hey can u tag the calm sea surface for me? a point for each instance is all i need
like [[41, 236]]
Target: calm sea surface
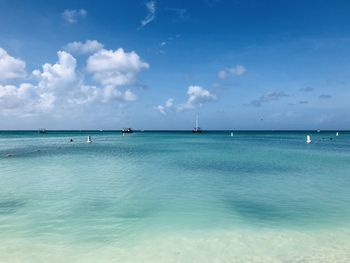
[[174, 197]]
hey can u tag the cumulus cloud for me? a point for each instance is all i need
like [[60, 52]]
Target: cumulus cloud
[[73, 15], [306, 89], [111, 93], [60, 87], [10, 68], [115, 68], [169, 103], [168, 106], [197, 95], [24, 100], [234, 71], [89, 47], [267, 97], [57, 83], [12, 97], [161, 109], [325, 96], [151, 8], [57, 75]]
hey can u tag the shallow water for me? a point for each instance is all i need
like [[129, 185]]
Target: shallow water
[[174, 197]]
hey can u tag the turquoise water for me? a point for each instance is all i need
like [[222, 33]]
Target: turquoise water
[[174, 197]]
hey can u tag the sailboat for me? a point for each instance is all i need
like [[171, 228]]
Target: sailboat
[[127, 130], [88, 139], [197, 129]]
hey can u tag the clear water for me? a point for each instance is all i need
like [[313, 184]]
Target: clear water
[[174, 197]]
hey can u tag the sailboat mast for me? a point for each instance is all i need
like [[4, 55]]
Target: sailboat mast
[[197, 122]]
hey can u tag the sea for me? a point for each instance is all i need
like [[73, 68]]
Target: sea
[[174, 196]]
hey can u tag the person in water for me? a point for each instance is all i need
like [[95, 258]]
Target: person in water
[[71, 140]]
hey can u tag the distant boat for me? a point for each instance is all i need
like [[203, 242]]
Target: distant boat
[[318, 130], [127, 130], [308, 139], [42, 130], [337, 134], [197, 129], [231, 134], [88, 139]]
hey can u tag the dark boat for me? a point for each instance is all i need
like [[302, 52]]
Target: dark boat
[[197, 129], [42, 130], [127, 130]]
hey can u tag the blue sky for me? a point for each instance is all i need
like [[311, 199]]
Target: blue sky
[[156, 64]]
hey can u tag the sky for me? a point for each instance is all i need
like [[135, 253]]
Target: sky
[[238, 64]]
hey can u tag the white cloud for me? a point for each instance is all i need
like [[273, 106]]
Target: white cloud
[[151, 8], [161, 109], [60, 88], [197, 95], [73, 15], [235, 71], [89, 47], [112, 93], [59, 75], [23, 100], [169, 104], [115, 68], [10, 68], [57, 83]]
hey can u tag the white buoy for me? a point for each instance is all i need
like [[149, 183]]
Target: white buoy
[[88, 139], [231, 134], [337, 134], [308, 139]]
